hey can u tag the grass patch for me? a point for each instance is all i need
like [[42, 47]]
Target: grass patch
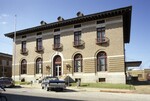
[[22, 83], [105, 85]]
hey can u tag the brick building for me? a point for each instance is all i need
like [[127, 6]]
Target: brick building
[[5, 65], [87, 47]]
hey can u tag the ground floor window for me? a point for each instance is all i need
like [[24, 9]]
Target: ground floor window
[[101, 61], [23, 66], [39, 66], [78, 63]]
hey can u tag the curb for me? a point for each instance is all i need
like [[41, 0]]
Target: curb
[[87, 89]]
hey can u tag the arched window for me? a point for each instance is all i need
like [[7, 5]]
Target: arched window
[[23, 66], [39, 66], [78, 63], [101, 61]]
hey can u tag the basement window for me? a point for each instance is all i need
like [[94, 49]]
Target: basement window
[[102, 80]]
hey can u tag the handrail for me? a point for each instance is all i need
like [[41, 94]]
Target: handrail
[[39, 49], [102, 40], [57, 46], [24, 51], [78, 43]]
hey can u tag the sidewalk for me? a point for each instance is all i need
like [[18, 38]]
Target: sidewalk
[[85, 89]]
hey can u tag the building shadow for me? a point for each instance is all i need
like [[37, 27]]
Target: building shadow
[[138, 83], [15, 97]]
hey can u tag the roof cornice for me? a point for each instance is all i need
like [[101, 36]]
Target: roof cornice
[[125, 11]]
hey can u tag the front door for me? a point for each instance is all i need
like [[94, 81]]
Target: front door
[[57, 66], [57, 70]]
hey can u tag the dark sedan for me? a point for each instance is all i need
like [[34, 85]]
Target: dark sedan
[[53, 83]]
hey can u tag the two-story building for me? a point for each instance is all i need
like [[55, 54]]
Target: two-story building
[[5, 65], [88, 47]]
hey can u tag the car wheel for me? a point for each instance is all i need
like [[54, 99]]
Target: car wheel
[[62, 89], [47, 89], [42, 87]]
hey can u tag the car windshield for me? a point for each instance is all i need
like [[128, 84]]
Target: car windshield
[[52, 78]]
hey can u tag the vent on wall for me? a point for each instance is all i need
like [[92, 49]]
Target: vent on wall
[[100, 21], [102, 79], [77, 26]]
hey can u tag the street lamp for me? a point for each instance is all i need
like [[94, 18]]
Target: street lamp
[[14, 45]]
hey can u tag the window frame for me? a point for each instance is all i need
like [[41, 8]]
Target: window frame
[[101, 56], [24, 66], [23, 46], [37, 68], [39, 44], [77, 38], [78, 58], [57, 41], [101, 35]]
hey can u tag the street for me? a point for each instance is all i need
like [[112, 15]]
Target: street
[[36, 94]]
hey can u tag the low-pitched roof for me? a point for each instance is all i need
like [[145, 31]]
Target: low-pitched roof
[[133, 63], [5, 54], [125, 11]]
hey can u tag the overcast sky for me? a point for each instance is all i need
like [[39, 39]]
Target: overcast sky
[[31, 12]]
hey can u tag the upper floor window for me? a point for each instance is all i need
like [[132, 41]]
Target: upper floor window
[[78, 63], [57, 39], [77, 38], [101, 34], [4, 62], [23, 66], [23, 46], [39, 44], [57, 42], [39, 66], [101, 61], [10, 63]]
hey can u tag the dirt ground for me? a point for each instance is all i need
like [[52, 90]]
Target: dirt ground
[[142, 89]]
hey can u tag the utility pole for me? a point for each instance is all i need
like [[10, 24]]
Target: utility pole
[[14, 44]]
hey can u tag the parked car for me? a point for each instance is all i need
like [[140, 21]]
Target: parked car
[[53, 83], [6, 82]]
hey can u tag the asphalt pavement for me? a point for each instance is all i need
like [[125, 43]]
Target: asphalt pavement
[[86, 89]]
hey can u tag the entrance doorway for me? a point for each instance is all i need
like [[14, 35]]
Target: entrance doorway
[[57, 71]]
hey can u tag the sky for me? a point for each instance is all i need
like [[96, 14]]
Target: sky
[[31, 12]]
